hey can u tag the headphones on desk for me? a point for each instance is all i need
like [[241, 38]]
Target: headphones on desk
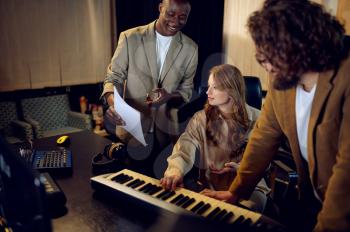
[[112, 159]]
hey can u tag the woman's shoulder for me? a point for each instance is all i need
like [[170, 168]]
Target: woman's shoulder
[[199, 117], [253, 113], [200, 114], [197, 122]]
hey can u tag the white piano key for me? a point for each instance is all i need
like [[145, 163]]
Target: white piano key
[[237, 211]]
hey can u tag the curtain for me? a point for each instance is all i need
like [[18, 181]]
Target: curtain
[[47, 43], [238, 46]]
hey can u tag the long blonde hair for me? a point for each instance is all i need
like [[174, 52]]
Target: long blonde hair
[[228, 78]]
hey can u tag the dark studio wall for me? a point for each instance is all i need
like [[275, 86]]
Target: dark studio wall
[[204, 26]]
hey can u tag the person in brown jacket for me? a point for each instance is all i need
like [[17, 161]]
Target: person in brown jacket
[[302, 47]]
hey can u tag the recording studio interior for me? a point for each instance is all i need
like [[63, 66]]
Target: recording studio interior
[[154, 115]]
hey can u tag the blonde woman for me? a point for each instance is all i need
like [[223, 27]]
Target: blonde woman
[[219, 134]]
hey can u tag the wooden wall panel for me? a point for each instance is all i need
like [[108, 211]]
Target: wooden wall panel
[[239, 48], [237, 45], [343, 13]]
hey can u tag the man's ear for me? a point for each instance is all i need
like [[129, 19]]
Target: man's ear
[[160, 6]]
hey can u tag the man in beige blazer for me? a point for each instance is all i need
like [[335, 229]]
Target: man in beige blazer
[[156, 58], [302, 47]]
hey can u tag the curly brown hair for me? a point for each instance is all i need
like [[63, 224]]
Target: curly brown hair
[[297, 36], [228, 78]]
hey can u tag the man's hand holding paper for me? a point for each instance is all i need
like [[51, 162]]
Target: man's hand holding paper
[[114, 117], [123, 115], [111, 118]]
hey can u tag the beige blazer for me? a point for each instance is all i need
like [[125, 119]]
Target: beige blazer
[[134, 63], [328, 145]]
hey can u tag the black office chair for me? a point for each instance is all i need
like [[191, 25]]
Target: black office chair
[[253, 93], [253, 97]]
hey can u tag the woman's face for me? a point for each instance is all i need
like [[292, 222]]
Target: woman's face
[[216, 96]]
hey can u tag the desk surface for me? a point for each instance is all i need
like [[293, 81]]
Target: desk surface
[[85, 212]]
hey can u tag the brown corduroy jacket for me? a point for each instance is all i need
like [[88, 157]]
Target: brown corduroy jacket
[[328, 146]]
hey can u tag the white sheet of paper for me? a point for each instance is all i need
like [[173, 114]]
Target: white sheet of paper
[[131, 117]]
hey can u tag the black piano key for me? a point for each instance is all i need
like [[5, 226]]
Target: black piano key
[[239, 220], [188, 203], [176, 199], [220, 215], [160, 195], [148, 188], [123, 178], [118, 177], [152, 189], [128, 178], [196, 207], [144, 187], [213, 212], [227, 217], [133, 182], [203, 209], [155, 190], [167, 196], [183, 200], [138, 184]]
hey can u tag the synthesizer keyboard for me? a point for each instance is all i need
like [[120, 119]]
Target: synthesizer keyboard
[[181, 201]]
